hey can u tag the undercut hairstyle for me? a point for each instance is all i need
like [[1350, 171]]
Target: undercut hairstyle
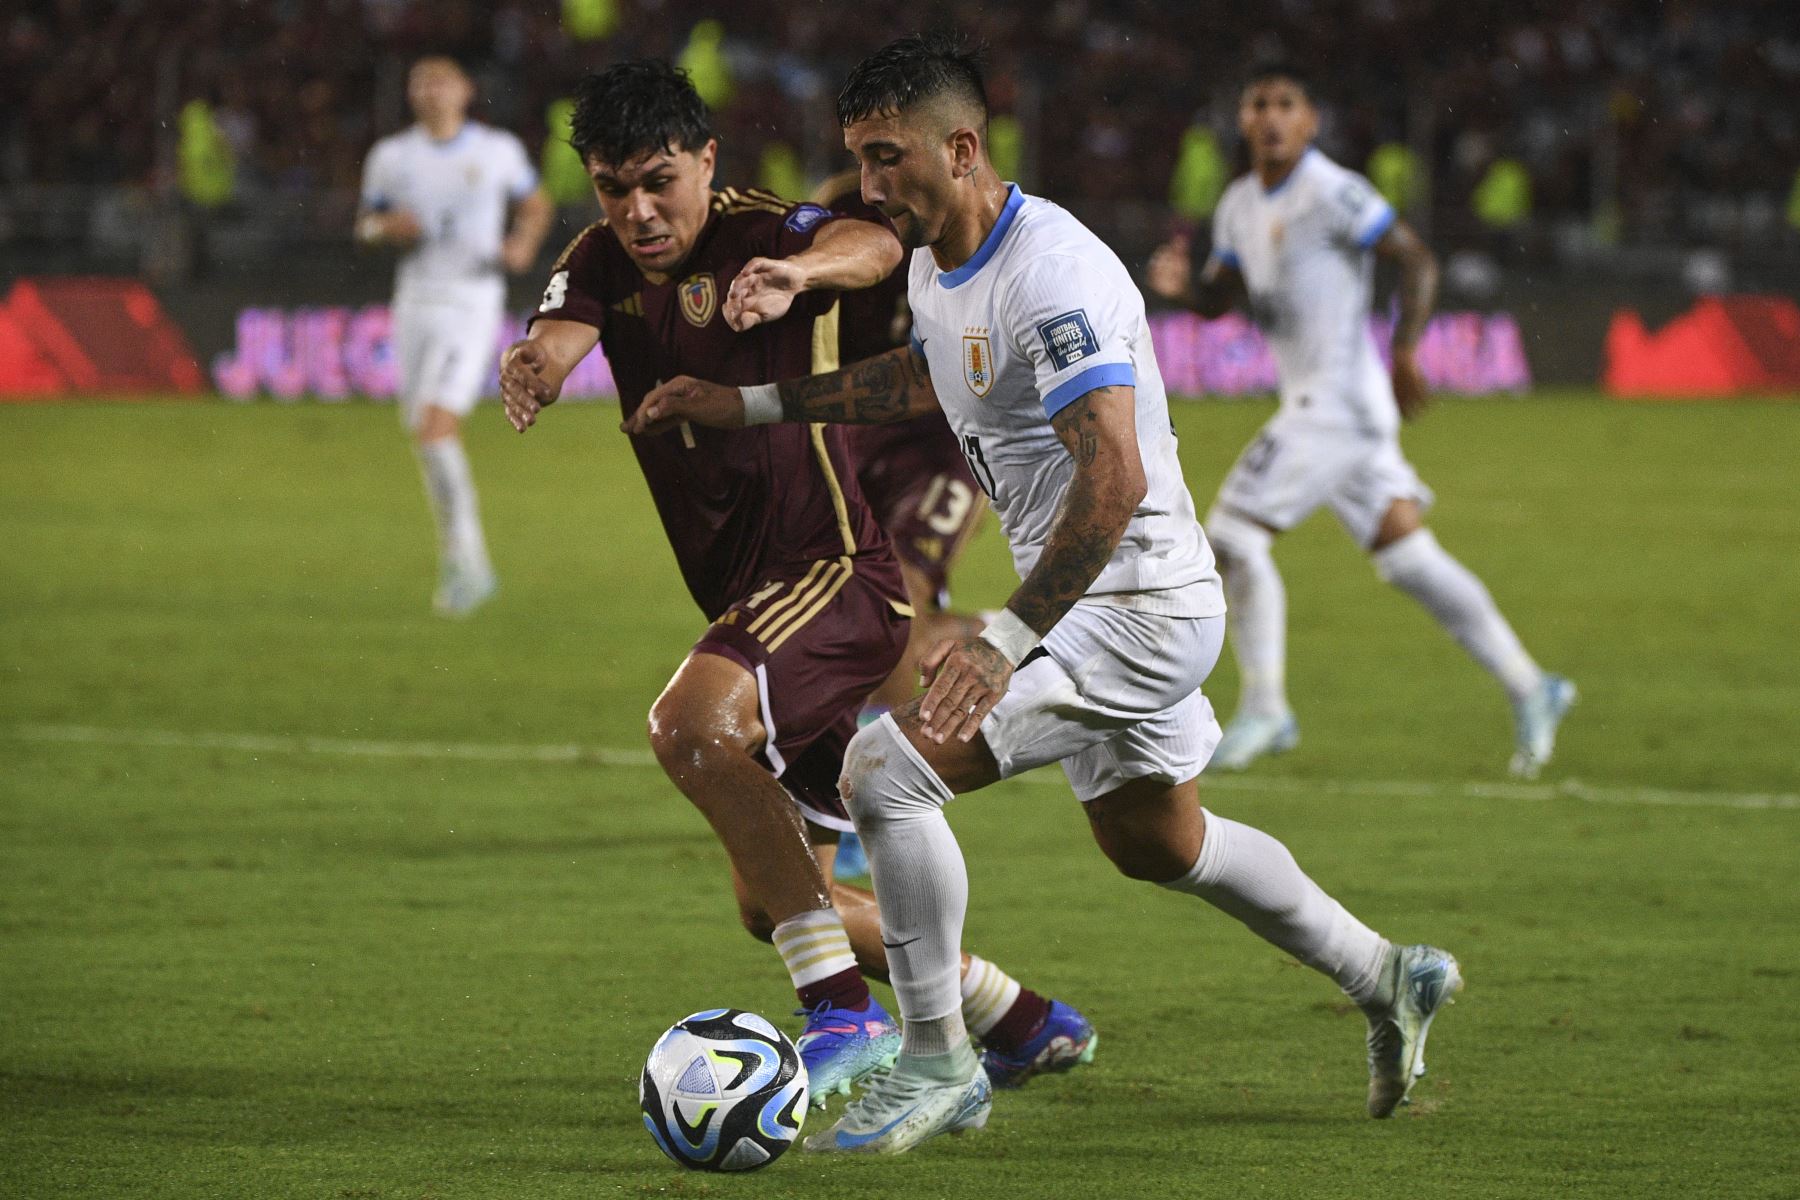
[[642, 106], [911, 71], [1285, 71]]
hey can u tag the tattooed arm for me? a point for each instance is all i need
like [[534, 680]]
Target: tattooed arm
[[1417, 292], [875, 391], [1100, 432]]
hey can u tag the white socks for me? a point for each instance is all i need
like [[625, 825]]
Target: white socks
[[918, 871], [1255, 613], [1249, 875], [1424, 570], [814, 946], [987, 993], [450, 487]]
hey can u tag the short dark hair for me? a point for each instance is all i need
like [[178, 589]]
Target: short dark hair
[[1282, 69], [911, 70], [634, 108]]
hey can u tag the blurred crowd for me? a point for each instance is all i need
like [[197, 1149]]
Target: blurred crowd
[[1629, 120]]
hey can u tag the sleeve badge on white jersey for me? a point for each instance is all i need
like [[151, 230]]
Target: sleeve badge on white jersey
[[978, 364], [1068, 339]]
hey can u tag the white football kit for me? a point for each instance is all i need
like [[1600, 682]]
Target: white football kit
[[1041, 315], [450, 290], [1305, 251]]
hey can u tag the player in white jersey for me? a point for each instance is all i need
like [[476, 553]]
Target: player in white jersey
[[1031, 337], [1296, 239], [440, 191]]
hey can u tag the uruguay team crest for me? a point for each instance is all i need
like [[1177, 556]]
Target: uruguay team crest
[[699, 297], [978, 364]]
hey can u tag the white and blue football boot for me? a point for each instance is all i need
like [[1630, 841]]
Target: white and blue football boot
[[462, 590], [1425, 980], [900, 1109], [1252, 735], [1535, 719], [844, 1046]]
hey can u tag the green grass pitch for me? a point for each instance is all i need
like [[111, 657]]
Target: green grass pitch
[[257, 940]]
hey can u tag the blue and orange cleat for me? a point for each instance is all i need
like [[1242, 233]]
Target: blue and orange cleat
[[844, 1046], [1066, 1040]]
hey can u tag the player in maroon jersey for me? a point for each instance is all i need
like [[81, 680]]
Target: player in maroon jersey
[[777, 546]]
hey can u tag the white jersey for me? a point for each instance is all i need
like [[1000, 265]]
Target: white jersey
[[1304, 249], [459, 190], [1041, 315]]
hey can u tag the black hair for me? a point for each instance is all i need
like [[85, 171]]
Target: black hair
[[1282, 69], [634, 108], [911, 70]]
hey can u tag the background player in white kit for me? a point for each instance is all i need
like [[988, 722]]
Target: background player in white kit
[[1031, 336], [440, 191], [1294, 238]]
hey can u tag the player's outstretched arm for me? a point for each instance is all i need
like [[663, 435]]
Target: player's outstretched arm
[[875, 391], [1417, 294], [845, 256], [968, 678], [532, 371], [1171, 276], [396, 227]]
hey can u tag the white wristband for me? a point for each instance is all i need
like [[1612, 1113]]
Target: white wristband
[[762, 404], [1010, 636]]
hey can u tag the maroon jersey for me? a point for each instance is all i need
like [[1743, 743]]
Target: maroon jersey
[[736, 503]]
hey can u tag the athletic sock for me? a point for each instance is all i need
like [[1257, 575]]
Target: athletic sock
[[817, 952], [953, 1064], [1452, 593], [1249, 875], [450, 486], [1256, 616], [989, 995], [918, 872]]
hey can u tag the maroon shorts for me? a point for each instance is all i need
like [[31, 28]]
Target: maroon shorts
[[918, 483], [819, 637]]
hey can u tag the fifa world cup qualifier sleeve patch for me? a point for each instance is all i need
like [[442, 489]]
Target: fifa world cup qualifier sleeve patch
[[1068, 339], [804, 217]]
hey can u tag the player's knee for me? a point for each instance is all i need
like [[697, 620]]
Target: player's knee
[[683, 738], [1236, 540], [884, 778], [1398, 561]]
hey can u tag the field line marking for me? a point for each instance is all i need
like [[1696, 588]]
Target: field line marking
[[610, 756]]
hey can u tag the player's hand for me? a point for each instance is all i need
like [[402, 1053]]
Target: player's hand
[[1171, 273], [1410, 392], [763, 291], [685, 398], [523, 389], [517, 255], [966, 679], [401, 228]]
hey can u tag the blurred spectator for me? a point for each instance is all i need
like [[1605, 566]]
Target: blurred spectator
[[1668, 123], [566, 179], [1200, 177]]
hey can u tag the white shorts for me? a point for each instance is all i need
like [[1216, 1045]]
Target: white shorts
[[1294, 467], [1115, 696], [445, 352]]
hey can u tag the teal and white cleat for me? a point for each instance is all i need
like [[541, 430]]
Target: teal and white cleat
[[1535, 720], [1252, 735], [462, 591], [844, 1046], [900, 1109], [1426, 979]]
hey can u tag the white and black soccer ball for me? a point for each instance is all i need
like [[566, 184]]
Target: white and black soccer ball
[[723, 1090]]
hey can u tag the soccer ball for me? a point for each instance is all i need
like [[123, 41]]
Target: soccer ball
[[723, 1090]]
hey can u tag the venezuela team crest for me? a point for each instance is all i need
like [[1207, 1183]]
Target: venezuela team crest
[[978, 364], [699, 297]]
